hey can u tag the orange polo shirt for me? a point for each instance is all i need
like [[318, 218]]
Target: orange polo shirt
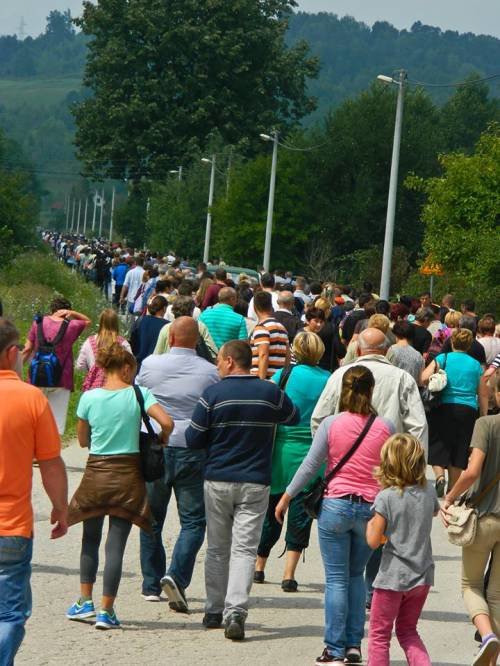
[[27, 430]]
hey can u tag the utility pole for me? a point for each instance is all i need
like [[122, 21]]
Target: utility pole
[[68, 205], [111, 220], [78, 219], [95, 210], [102, 213], [208, 230], [385, 280], [73, 215], [85, 216], [228, 174], [270, 207]]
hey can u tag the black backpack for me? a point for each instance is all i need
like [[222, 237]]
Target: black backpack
[[45, 369]]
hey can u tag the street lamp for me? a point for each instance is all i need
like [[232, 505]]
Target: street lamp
[[208, 229], [274, 137], [177, 171], [385, 280]]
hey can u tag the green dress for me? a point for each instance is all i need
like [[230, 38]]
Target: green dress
[[292, 443]]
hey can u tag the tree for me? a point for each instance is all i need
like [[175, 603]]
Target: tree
[[18, 204], [466, 115], [165, 75], [462, 217], [59, 26]]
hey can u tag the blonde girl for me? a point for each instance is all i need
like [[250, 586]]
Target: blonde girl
[[107, 335], [404, 510]]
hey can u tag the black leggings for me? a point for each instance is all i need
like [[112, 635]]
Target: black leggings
[[118, 532]]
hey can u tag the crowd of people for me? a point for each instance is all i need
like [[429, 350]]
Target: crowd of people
[[261, 394]]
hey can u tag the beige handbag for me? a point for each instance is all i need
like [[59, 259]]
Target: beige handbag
[[463, 517]]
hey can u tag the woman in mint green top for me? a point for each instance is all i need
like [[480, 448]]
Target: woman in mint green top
[[109, 420], [304, 387]]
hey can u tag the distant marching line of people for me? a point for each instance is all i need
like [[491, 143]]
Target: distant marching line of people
[[276, 398]]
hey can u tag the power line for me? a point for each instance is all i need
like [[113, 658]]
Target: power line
[[460, 84]]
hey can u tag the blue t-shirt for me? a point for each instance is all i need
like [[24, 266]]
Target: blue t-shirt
[[463, 373], [114, 418]]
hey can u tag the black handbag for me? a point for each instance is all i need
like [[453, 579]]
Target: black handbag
[[150, 446], [312, 499]]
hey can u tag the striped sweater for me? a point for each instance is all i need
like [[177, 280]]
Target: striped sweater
[[235, 421]]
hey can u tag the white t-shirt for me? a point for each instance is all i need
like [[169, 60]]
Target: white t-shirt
[[133, 281], [251, 309]]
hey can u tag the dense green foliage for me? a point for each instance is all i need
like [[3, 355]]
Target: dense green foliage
[[353, 54], [165, 76], [18, 200], [462, 217]]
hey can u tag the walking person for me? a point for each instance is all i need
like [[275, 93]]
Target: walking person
[[234, 421], [404, 510], [453, 420], [303, 385], [345, 509], [108, 424], [482, 470], [269, 341], [50, 326], [177, 379], [146, 330], [222, 321], [107, 334], [26, 421]]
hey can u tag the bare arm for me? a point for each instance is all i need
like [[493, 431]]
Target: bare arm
[[263, 360], [83, 433], [429, 370], [166, 422], [55, 482], [482, 392], [375, 530], [72, 314], [465, 481]]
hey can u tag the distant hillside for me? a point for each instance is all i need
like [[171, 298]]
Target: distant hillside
[[352, 54], [41, 77]]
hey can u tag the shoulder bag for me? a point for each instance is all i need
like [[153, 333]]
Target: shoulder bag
[[462, 521], [285, 376], [312, 499], [431, 394], [150, 446]]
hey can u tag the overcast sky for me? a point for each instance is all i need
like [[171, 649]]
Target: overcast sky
[[482, 16]]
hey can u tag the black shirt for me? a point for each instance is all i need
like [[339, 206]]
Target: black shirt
[[421, 339], [290, 321], [350, 324]]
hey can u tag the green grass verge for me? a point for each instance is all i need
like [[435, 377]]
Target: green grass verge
[[28, 285], [39, 92]]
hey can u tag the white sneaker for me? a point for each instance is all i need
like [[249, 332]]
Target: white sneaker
[[151, 597]]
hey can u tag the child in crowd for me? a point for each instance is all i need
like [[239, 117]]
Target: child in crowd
[[404, 510]]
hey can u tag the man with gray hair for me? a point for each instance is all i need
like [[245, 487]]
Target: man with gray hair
[[286, 316], [395, 397], [421, 337]]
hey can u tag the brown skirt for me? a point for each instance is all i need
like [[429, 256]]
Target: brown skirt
[[112, 486]]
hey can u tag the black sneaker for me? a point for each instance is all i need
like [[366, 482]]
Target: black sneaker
[[440, 486], [234, 627], [259, 576], [289, 585], [212, 620], [176, 597], [327, 658], [353, 655]]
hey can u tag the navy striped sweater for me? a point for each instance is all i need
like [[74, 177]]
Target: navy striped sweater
[[235, 421]]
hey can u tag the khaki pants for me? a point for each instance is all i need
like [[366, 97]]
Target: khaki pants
[[474, 561]]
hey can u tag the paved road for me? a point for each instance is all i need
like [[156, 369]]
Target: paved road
[[282, 628]]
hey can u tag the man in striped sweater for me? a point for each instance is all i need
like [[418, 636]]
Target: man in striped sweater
[[235, 421], [270, 346]]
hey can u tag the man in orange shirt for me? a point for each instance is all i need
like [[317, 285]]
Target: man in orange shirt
[[27, 431]]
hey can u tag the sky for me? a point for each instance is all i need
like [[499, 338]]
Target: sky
[[480, 17]]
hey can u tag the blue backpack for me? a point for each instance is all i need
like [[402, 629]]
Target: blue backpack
[[45, 369]]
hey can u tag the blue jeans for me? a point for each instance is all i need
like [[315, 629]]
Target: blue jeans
[[15, 594], [184, 475], [342, 540]]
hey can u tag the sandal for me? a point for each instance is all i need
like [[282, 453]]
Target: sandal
[[440, 486]]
